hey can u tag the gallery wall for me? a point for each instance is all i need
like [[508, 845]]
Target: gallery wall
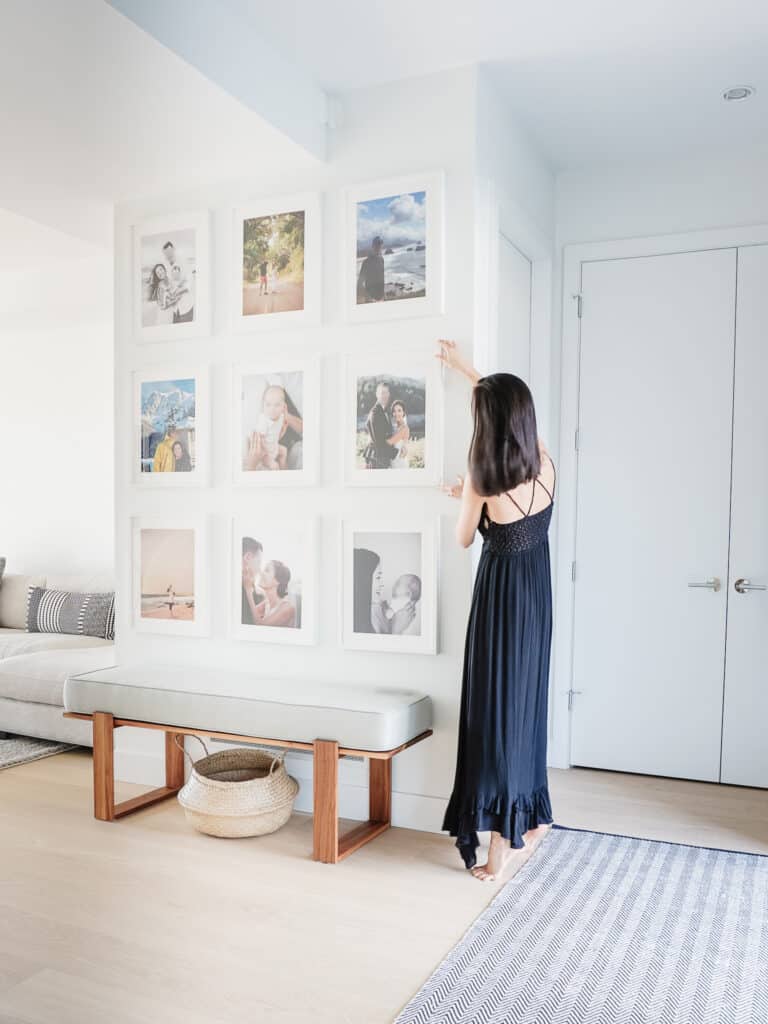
[[56, 408], [399, 130]]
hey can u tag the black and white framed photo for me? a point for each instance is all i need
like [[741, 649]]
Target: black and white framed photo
[[277, 252], [393, 420], [170, 581], [389, 587], [276, 417], [274, 579], [171, 415], [171, 270], [393, 261]]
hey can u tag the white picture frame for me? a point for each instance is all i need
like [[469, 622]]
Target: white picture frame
[[149, 574], [190, 234], [386, 206], [250, 380], [403, 372], [180, 377], [298, 537], [396, 543], [310, 312]]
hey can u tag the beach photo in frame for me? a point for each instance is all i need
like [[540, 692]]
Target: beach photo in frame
[[170, 580], [393, 260], [274, 579], [276, 423], [393, 409], [171, 419], [276, 262], [389, 586], [171, 277]]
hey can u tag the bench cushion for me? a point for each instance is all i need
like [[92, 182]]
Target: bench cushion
[[360, 717]]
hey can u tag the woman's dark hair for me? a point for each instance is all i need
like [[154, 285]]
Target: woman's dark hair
[[283, 576], [364, 565], [504, 451], [154, 281], [399, 402]]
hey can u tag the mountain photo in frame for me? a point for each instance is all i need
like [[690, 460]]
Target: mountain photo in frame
[[171, 417], [393, 249], [171, 270]]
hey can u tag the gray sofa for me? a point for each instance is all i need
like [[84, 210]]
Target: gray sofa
[[35, 666]]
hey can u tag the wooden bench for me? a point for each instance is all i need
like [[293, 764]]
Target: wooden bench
[[84, 693]]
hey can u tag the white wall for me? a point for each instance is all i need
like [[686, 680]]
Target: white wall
[[56, 411], [416, 126]]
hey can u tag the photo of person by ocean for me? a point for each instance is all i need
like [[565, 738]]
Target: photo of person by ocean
[[390, 421], [391, 248], [167, 570], [168, 269]]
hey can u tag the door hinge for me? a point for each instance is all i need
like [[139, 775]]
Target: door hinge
[[571, 694], [573, 571], [579, 305], [576, 439]]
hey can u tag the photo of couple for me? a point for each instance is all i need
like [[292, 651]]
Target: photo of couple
[[273, 263], [167, 426], [390, 422], [387, 583], [272, 426], [168, 278], [391, 248], [270, 586], [168, 574]]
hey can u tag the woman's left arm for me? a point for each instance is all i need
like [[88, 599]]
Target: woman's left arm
[[470, 511]]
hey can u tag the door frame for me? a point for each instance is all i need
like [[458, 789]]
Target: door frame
[[574, 256]]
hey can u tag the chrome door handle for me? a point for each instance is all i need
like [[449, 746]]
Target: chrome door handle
[[741, 586], [713, 584]]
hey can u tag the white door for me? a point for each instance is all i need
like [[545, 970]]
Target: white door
[[514, 325], [655, 411], [745, 708]]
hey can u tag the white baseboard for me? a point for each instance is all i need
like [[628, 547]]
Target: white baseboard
[[409, 810]]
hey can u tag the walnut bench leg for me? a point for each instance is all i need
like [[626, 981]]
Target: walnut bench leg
[[104, 806], [328, 846]]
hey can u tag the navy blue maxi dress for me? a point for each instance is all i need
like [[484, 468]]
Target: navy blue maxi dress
[[501, 766]]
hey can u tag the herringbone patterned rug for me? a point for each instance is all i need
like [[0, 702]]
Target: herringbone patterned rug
[[602, 929]]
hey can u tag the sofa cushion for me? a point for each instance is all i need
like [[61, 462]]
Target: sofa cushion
[[13, 599], [64, 611], [39, 678], [2, 570], [18, 641], [359, 717]]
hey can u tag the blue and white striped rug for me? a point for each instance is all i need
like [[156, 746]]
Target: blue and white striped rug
[[602, 929]]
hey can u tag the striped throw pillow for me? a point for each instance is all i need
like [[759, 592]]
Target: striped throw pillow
[[58, 611]]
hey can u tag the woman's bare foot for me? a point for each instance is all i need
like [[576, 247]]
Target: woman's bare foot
[[499, 854], [535, 834]]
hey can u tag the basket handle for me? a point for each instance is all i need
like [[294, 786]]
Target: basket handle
[[177, 736], [277, 759]]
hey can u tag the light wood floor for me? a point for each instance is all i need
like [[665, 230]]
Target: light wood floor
[[144, 921]]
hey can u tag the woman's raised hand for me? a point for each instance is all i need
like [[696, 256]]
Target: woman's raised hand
[[454, 490], [450, 357], [255, 453]]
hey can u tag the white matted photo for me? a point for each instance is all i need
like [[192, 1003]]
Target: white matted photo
[[171, 416], [389, 587], [170, 581], [274, 580], [393, 420], [393, 261], [276, 423], [171, 271], [276, 263]]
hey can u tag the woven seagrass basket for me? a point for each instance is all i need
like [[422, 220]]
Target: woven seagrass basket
[[238, 792]]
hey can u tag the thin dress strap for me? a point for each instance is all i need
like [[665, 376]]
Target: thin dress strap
[[549, 494]]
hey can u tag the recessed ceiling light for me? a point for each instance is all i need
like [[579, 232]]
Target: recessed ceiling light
[[738, 92]]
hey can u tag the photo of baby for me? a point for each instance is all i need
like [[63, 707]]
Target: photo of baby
[[271, 424], [387, 583]]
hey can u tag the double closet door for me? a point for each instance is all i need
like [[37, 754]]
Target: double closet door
[[671, 605]]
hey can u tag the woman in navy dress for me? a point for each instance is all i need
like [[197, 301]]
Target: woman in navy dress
[[501, 768]]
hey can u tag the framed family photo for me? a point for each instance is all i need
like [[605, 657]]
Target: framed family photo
[[170, 585], [274, 580], [393, 249], [171, 270], [393, 421], [171, 415], [389, 587], [276, 259], [276, 423]]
